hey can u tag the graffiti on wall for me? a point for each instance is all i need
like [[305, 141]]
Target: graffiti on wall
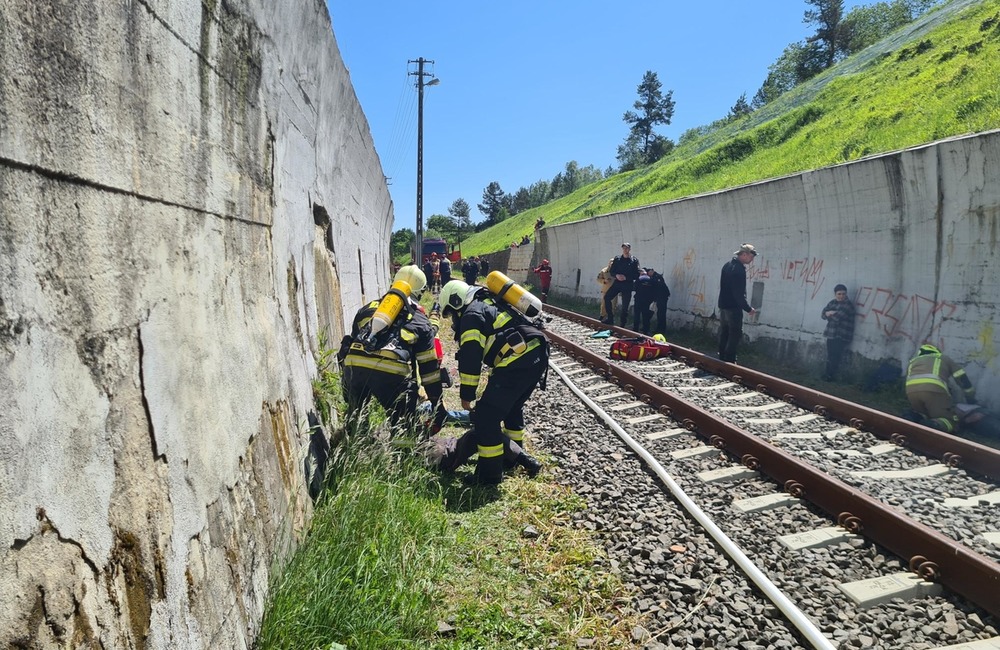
[[900, 316], [806, 271], [688, 285]]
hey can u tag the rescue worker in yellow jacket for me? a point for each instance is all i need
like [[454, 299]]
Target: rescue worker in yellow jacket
[[927, 387], [490, 334], [385, 367]]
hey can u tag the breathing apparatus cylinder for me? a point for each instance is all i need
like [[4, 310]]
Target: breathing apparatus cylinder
[[389, 307], [514, 294]]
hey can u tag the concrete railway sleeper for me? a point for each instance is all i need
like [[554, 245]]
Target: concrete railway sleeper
[[930, 554]]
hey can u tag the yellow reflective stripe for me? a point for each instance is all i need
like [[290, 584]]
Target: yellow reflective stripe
[[490, 452], [517, 435], [532, 344], [946, 423], [381, 365], [468, 380], [426, 355], [431, 377], [473, 336], [502, 319], [925, 378], [407, 336]]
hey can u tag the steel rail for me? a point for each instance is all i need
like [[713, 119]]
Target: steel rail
[[795, 616], [931, 555], [953, 450]]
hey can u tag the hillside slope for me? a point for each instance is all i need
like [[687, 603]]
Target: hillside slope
[[933, 79]]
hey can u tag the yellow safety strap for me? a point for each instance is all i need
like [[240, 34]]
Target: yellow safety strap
[[532, 344], [388, 366]]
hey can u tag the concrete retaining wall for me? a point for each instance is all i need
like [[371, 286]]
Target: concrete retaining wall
[[913, 234], [188, 192]]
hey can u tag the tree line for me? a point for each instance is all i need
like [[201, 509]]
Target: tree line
[[837, 35]]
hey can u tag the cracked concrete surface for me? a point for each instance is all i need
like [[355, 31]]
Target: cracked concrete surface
[[163, 286]]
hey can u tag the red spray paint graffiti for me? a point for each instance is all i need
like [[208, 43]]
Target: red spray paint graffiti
[[915, 318], [806, 271]]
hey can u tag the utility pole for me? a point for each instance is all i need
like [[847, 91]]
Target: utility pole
[[420, 74]]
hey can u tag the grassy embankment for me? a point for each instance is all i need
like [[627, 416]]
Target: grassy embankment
[[395, 550], [935, 79]]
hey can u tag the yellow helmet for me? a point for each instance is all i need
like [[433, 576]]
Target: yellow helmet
[[413, 276], [659, 338]]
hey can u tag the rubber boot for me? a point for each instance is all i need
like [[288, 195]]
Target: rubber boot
[[530, 464]]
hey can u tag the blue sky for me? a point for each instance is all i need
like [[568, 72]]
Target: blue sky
[[526, 87]]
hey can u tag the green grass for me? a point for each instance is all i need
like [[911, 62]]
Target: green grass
[[394, 549], [934, 79]]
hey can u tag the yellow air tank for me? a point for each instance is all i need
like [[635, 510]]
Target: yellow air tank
[[389, 307], [515, 295]]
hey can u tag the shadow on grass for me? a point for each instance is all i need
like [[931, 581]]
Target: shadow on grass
[[459, 497]]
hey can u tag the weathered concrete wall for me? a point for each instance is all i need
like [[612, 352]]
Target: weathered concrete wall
[[913, 234], [188, 192]]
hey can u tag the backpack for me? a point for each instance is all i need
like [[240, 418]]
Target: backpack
[[638, 349]]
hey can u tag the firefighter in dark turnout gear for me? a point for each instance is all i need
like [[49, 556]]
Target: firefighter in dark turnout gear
[[927, 387], [491, 333], [387, 367]]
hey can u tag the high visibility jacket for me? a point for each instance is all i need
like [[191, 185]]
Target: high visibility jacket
[[931, 369], [491, 335], [404, 348]]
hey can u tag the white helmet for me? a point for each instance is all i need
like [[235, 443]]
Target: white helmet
[[454, 296], [413, 276]]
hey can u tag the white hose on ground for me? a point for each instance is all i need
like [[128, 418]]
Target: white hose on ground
[[793, 613]]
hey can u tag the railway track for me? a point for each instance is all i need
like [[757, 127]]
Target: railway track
[[755, 459]]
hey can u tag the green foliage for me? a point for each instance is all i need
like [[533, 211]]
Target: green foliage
[[827, 16], [643, 146], [875, 101], [401, 243], [867, 24], [362, 575], [494, 200], [443, 227]]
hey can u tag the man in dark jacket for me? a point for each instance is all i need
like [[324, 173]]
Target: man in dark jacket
[[625, 270], [650, 288], [470, 270], [733, 302], [445, 270]]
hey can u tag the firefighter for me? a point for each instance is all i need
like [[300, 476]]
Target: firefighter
[[385, 366], [491, 333], [544, 273], [927, 387]]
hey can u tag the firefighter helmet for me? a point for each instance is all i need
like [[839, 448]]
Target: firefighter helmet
[[927, 348], [454, 296], [413, 276]]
